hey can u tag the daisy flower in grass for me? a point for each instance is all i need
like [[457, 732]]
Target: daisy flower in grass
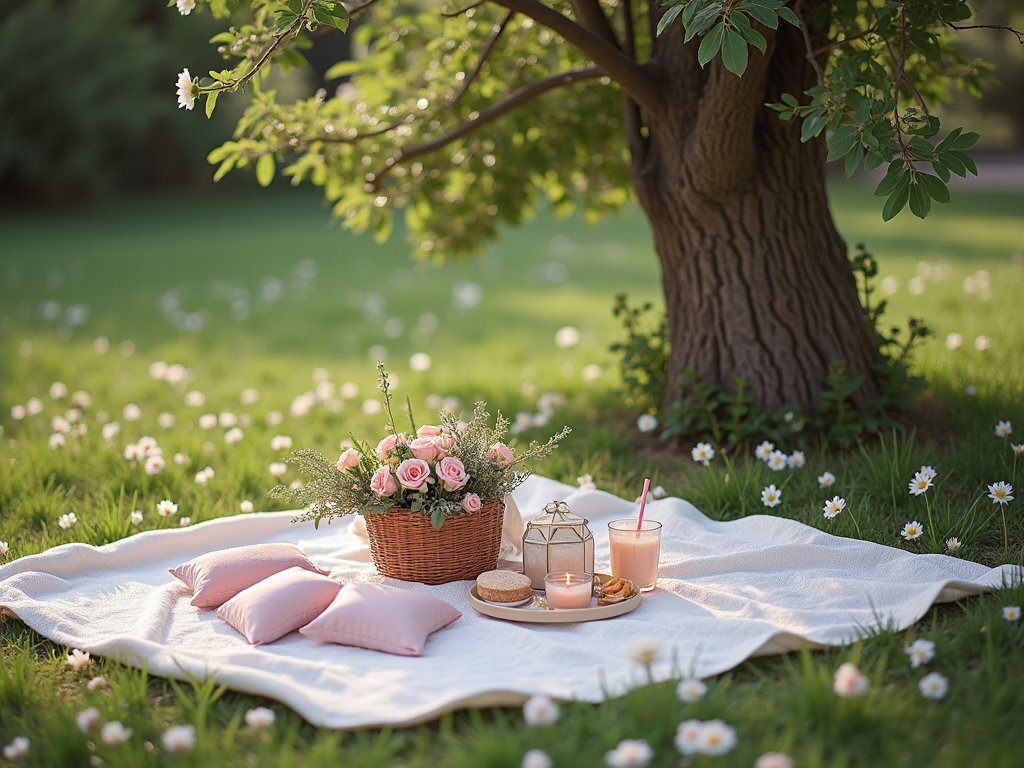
[[825, 480], [185, 521], [586, 483], [247, 506], [771, 496], [912, 531], [179, 738], [849, 681], [260, 717], [78, 660], [186, 90], [773, 760], [920, 483], [796, 460], [57, 440], [690, 690], [540, 710], [277, 469], [1011, 613], [764, 450], [688, 737], [1004, 429], [166, 508], [646, 423], [920, 652], [834, 507], [933, 686], [114, 733], [4, 548], [630, 753], [716, 738], [1018, 450], [17, 749], [777, 461], [536, 758], [1000, 493], [703, 452], [280, 443], [155, 465], [645, 651], [67, 521], [928, 471], [88, 719]]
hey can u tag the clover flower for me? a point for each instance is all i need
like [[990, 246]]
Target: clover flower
[[155, 464], [540, 710], [186, 90], [536, 758], [920, 652], [690, 690], [88, 719], [849, 681], [703, 452], [1000, 493], [67, 520], [796, 460], [764, 450], [113, 733], [57, 440], [166, 508], [234, 436], [4, 548], [771, 496], [277, 469], [826, 480], [933, 686], [646, 423], [834, 507], [953, 544], [630, 753], [280, 443], [920, 483], [1011, 612], [1004, 429], [912, 531], [260, 717], [247, 506], [78, 660], [179, 738]]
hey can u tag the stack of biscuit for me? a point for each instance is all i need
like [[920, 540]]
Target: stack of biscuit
[[616, 590]]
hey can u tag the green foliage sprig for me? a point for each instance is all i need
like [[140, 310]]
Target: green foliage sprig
[[491, 468], [644, 354]]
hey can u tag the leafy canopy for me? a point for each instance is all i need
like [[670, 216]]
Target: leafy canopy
[[465, 116]]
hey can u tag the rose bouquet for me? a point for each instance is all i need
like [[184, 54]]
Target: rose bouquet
[[443, 469]]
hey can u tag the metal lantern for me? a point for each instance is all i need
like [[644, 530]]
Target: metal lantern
[[558, 540]]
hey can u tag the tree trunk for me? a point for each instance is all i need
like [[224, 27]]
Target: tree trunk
[[755, 274]]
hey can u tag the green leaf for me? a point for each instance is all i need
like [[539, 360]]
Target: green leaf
[[437, 518], [936, 190], [853, 160], [842, 141], [953, 163], [965, 140], [669, 17], [941, 170], [342, 69], [873, 160], [788, 15], [762, 12], [224, 168], [920, 202], [790, 99], [894, 177], [749, 34], [896, 202], [734, 53], [710, 44], [265, 168], [965, 159], [211, 102], [812, 126]]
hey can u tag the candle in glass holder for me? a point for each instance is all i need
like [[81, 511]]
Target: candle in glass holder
[[569, 589]]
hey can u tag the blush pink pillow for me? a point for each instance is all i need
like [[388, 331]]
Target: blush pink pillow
[[216, 577], [279, 604], [381, 618]]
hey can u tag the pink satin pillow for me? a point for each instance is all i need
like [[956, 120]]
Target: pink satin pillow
[[381, 618], [279, 604], [216, 577]]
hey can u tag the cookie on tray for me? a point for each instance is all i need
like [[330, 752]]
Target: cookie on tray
[[503, 586]]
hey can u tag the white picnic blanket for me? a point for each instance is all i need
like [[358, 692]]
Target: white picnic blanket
[[726, 592]]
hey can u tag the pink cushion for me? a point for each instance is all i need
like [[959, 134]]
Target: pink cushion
[[381, 618], [279, 604], [216, 577]]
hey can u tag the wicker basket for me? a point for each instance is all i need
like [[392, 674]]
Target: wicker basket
[[405, 546]]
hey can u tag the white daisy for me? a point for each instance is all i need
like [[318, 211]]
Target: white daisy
[[78, 660], [136, 517], [645, 650], [536, 758], [201, 478], [17, 749], [690, 690], [60, 424], [933, 686], [912, 530], [179, 738], [166, 508], [88, 719], [928, 471], [688, 737], [181, 459], [630, 753], [186, 92], [34, 406], [848, 681], [920, 483], [1000, 493], [703, 452], [227, 419], [110, 431], [646, 423], [67, 521], [764, 450], [260, 717], [953, 544], [920, 652], [716, 738], [796, 460], [1011, 612], [540, 710], [771, 496], [18, 412], [114, 733], [777, 461], [155, 465], [834, 507], [280, 443], [1004, 429]]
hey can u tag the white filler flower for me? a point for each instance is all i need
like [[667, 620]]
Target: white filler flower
[[186, 97], [690, 690], [166, 508], [933, 686], [88, 719], [764, 450], [17, 749], [716, 738], [848, 681], [953, 544], [179, 738], [826, 480], [536, 758], [260, 717], [920, 652], [540, 710], [114, 733], [185, 7], [796, 460], [78, 660], [777, 461], [1004, 429]]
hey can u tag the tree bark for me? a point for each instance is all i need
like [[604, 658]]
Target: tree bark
[[755, 275]]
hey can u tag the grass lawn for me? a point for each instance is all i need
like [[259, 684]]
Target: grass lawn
[[260, 293]]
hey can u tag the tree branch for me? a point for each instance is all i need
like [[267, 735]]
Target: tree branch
[[460, 11], [484, 53], [592, 17], [358, 10], [489, 115], [631, 119], [630, 75], [1006, 27], [811, 57]]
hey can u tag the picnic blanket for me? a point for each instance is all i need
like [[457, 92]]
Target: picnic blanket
[[727, 591]]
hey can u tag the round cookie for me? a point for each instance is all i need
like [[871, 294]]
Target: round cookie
[[503, 586]]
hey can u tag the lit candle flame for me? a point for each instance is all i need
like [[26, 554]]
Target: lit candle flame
[[567, 580]]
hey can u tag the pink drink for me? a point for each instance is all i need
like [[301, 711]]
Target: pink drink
[[635, 557]]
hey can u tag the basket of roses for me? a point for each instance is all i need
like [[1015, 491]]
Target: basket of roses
[[432, 496]]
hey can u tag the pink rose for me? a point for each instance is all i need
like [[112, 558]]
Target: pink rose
[[349, 460], [426, 448], [446, 441], [382, 483], [428, 430], [452, 473], [413, 474], [502, 453], [472, 503], [389, 442]]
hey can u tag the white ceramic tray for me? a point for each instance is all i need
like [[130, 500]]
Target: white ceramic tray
[[536, 610]]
